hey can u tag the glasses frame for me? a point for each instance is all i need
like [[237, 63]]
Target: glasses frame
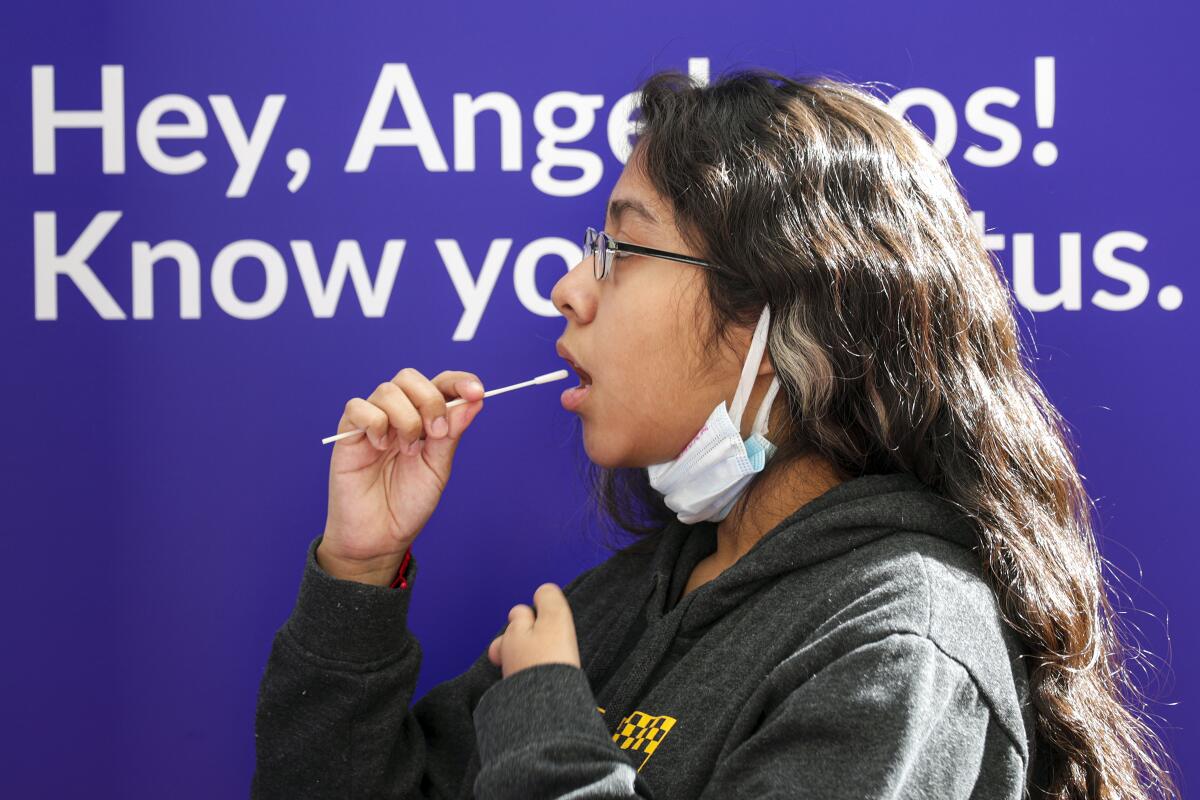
[[596, 241]]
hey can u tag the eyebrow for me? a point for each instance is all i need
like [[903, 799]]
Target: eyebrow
[[618, 206]]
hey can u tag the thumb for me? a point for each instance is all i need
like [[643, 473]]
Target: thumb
[[459, 418]]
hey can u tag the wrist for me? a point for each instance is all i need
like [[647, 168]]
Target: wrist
[[377, 571]]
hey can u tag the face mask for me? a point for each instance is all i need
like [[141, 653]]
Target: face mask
[[706, 479]]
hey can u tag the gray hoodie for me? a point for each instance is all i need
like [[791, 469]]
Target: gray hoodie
[[855, 651]]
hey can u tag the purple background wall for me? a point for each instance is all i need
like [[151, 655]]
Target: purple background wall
[[164, 475]]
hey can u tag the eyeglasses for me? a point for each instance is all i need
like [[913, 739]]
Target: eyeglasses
[[596, 243]]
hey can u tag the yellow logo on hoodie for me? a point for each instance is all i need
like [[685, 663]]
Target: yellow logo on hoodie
[[642, 732]]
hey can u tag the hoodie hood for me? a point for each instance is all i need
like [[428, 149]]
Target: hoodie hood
[[849, 515]]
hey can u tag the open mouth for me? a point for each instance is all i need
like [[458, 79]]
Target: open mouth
[[573, 398], [584, 378]]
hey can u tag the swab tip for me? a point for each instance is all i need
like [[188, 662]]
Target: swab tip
[[552, 376]]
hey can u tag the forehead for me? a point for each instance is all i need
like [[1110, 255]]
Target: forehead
[[623, 207], [634, 199]]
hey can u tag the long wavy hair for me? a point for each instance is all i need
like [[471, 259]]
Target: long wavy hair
[[897, 345]]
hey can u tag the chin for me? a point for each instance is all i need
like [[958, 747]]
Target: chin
[[606, 453]]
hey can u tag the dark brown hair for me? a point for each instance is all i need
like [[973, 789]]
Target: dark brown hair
[[896, 342]]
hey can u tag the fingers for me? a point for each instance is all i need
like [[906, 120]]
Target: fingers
[[398, 413], [467, 385], [426, 399], [448, 382], [411, 407], [520, 617], [493, 651], [545, 635], [550, 602], [366, 416]]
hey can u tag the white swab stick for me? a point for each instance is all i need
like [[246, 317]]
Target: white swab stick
[[547, 378]]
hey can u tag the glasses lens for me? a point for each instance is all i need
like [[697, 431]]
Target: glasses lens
[[589, 247], [603, 257]]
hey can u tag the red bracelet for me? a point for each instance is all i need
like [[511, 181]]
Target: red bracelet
[[400, 581]]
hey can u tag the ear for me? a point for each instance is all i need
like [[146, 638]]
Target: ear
[[766, 367]]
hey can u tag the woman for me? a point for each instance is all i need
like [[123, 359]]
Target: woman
[[865, 565]]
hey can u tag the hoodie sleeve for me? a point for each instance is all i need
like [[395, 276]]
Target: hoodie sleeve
[[541, 735], [333, 717], [893, 718]]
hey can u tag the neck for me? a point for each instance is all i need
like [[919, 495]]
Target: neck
[[782, 493]]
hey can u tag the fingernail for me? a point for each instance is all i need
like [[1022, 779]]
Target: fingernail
[[440, 427], [477, 385]]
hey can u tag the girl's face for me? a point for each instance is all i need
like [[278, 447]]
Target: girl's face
[[638, 333]]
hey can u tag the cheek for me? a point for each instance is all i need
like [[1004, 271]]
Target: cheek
[[613, 418], [645, 405], [642, 412]]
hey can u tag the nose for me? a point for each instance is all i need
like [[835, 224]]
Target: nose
[[575, 293]]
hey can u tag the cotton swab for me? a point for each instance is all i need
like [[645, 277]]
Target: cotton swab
[[547, 378]]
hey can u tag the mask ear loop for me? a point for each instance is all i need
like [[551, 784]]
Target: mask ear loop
[[758, 344], [764, 409]]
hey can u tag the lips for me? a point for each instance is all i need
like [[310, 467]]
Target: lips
[[585, 377], [572, 399]]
